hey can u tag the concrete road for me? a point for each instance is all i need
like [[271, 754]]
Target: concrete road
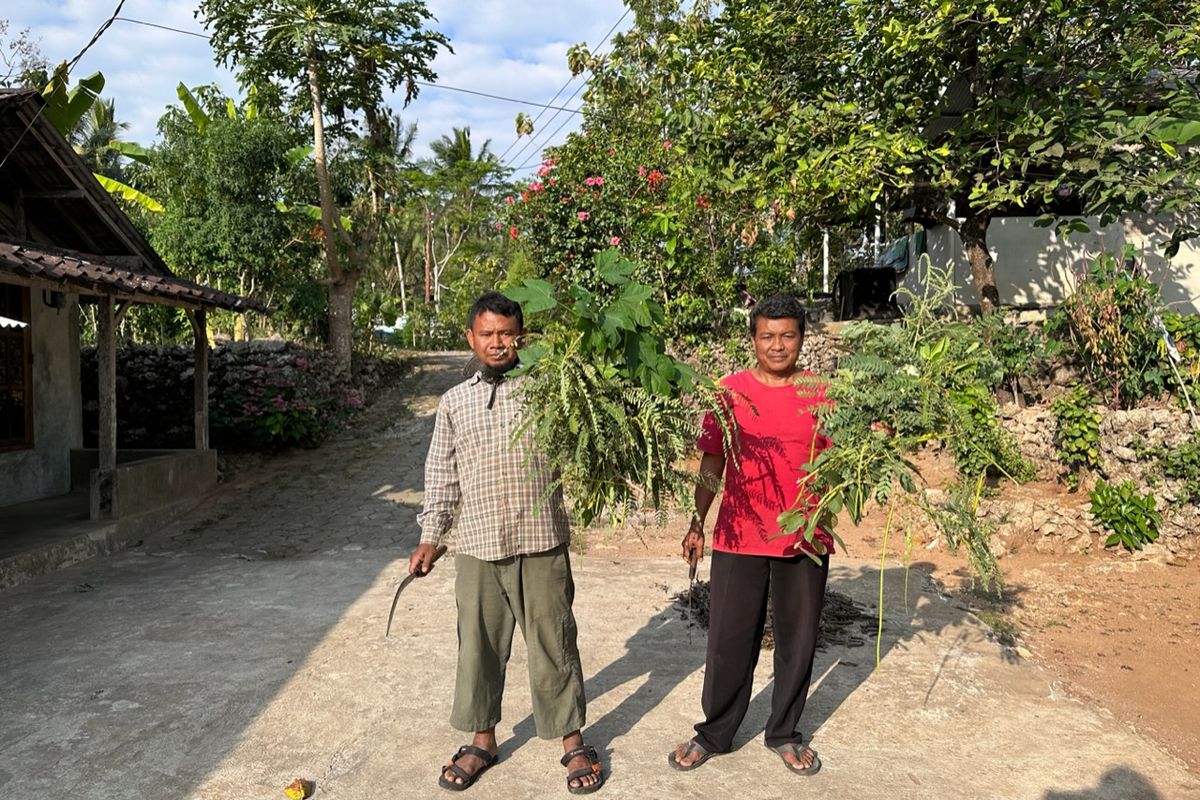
[[245, 648]]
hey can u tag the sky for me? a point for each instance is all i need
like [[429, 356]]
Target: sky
[[513, 48]]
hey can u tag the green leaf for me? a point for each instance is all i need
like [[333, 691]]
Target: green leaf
[[295, 155], [129, 193], [65, 107], [613, 269], [535, 296], [198, 115], [132, 151]]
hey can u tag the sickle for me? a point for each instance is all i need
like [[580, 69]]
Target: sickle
[[441, 551]]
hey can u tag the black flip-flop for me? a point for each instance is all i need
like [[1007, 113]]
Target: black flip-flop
[[468, 779], [692, 747], [592, 769], [797, 749]]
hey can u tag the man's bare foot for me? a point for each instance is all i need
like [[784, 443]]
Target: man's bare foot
[[470, 763], [689, 755], [798, 757], [574, 741]]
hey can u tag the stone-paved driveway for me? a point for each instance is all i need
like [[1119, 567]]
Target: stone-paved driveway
[[359, 491], [245, 648]]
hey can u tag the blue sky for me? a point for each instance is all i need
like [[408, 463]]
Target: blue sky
[[514, 48]]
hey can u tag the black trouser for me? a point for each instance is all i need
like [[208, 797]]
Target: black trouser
[[737, 613]]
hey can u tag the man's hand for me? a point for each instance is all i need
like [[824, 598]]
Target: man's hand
[[421, 561], [693, 543]]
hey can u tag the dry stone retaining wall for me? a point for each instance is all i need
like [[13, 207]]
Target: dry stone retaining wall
[[1123, 437]]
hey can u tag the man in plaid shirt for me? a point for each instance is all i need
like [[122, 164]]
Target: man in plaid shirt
[[511, 559]]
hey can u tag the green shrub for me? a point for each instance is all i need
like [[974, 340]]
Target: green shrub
[[1109, 324], [1181, 464], [1016, 347], [1132, 520], [1076, 432]]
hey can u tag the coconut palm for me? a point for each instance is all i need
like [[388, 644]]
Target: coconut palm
[[93, 136]]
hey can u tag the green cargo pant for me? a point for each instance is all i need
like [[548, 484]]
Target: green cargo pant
[[534, 592]]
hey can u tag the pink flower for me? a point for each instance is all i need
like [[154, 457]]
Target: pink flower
[[595, 180], [508, 200], [553, 181], [537, 187], [499, 227], [512, 232], [583, 216], [642, 172], [614, 241], [667, 144]]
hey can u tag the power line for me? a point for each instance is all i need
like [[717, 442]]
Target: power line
[[556, 94], [501, 97], [163, 27], [95, 37], [537, 153], [557, 109]]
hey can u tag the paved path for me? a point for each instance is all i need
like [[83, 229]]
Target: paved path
[[245, 648]]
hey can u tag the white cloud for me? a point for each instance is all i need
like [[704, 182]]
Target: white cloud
[[514, 48]]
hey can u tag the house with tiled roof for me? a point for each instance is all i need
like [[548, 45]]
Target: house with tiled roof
[[66, 244]]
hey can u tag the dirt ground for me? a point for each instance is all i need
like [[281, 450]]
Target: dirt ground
[[1119, 633]]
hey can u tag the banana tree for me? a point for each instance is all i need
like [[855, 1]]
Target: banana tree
[[66, 106]]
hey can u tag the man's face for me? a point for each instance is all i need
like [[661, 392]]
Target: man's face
[[777, 344], [493, 338]]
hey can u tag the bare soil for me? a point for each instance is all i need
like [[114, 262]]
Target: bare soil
[[1120, 633]]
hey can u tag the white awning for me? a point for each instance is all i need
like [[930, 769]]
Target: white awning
[[5, 322]]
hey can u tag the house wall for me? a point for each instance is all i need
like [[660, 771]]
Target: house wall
[[45, 469], [1036, 267]]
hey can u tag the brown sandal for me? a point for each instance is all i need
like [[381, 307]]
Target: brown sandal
[[468, 779], [595, 769]]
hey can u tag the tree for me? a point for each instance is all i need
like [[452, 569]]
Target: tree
[[21, 61], [332, 57], [94, 135], [979, 107], [458, 190], [222, 172]]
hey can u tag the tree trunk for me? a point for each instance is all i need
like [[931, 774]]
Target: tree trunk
[[341, 284], [428, 253], [973, 233], [400, 277], [341, 324]]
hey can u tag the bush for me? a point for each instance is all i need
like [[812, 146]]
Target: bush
[[1016, 347], [1132, 520], [1109, 323], [1076, 432]]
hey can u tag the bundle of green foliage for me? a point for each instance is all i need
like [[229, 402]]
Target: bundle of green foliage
[[1132, 520], [1076, 432], [613, 414], [901, 387]]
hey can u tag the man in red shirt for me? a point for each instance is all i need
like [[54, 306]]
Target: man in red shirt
[[777, 434]]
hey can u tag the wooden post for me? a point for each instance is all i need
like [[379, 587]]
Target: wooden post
[[106, 438], [200, 393]]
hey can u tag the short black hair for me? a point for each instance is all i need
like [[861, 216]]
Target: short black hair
[[777, 306], [497, 304]]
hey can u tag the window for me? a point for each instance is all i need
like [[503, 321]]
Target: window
[[16, 391]]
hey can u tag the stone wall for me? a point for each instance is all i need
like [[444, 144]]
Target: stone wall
[[155, 385], [1123, 436]]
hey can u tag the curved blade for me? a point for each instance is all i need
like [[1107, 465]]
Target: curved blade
[[441, 551]]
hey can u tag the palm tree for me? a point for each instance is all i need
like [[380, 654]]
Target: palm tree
[[93, 135], [450, 151]]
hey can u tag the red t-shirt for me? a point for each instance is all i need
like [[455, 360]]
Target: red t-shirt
[[778, 434]]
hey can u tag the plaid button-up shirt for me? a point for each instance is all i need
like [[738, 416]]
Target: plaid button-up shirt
[[498, 489]]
